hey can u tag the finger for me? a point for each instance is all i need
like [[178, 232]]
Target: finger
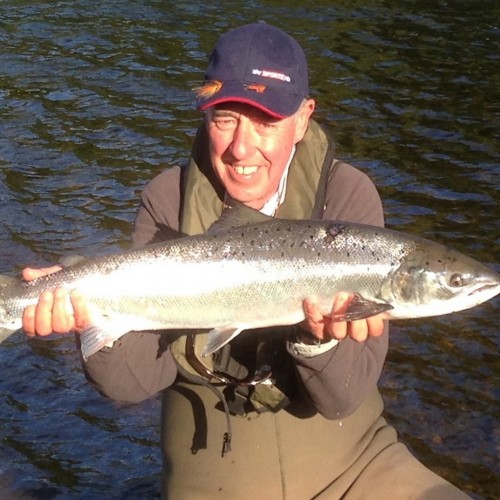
[[375, 325], [43, 314], [314, 322], [62, 312], [358, 330], [29, 321], [30, 273], [338, 329], [312, 311], [81, 309]]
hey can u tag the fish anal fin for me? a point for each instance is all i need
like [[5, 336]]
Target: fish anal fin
[[219, 337], [361, 308]]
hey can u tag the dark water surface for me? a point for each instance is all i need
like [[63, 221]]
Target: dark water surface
[[95, 98]]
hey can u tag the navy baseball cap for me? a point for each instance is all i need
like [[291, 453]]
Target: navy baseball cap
[[256, 64]]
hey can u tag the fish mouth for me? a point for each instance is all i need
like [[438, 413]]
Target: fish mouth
[[486, 288]]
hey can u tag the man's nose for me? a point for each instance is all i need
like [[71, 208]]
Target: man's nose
[[243, 143]]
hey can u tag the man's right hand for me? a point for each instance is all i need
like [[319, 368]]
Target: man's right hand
[[57, 311]]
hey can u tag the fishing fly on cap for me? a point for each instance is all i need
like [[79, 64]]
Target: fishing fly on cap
[[256, 64]]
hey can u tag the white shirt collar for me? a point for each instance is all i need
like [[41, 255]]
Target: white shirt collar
[[272, 205]]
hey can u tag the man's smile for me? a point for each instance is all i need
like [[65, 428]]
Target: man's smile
[[245, 170]]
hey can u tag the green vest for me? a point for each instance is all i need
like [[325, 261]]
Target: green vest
[[202, 203], [312, 164]]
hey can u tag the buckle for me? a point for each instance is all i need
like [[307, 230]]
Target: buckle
[[262, 375]]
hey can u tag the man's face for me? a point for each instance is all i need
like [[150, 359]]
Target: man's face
[[249, 149]]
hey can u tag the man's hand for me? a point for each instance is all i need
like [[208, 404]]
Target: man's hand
[[57, 311], [322, 328]]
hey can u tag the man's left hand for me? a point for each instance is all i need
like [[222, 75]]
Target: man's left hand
[[322, 328]]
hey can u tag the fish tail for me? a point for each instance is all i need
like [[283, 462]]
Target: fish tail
[[7, 327], [5, 333], [8, 280]]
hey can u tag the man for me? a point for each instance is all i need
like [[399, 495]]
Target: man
[[303, 409]]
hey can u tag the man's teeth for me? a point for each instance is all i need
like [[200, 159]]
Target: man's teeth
[[245, 170]]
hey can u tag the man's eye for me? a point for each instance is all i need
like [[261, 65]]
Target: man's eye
[[265, 125], [225, 123]]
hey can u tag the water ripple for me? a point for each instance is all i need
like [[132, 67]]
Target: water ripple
[[96, 98]]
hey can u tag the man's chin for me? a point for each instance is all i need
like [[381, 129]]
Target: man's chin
[[247, 199]]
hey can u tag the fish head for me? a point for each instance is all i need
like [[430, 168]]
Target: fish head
[[433, 280]]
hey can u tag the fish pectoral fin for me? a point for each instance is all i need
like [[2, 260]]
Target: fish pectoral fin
[[219, 337], [361, 308]]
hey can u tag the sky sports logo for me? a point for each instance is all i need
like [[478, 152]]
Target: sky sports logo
[[271, 74]]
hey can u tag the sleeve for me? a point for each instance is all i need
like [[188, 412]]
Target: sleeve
[[158, 216], [351, 196], [133, 369], [137, 366], [339, 379]]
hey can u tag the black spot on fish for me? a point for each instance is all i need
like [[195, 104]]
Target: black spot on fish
[[335, 230]]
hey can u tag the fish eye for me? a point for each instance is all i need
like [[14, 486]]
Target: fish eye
[[456, 280]]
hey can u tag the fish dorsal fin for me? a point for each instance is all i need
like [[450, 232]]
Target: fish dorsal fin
[[72, 260], [235, 214]]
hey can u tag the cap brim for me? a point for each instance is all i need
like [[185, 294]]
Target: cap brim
[[275, 102]]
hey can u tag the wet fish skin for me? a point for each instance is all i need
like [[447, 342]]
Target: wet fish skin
[[258, 275]]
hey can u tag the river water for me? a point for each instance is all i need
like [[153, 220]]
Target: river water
[[95, 98]]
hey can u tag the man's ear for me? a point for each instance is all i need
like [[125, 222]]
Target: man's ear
[[303, 114]]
